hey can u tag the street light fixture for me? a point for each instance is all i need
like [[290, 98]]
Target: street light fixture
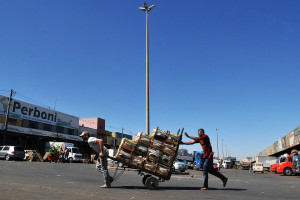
[[147, 9]]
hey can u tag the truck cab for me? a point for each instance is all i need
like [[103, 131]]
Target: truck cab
[[74, 154], [296, 163], [285, 165], [198, 156]]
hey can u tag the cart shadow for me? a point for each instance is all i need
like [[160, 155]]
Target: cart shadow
[[179, 188]]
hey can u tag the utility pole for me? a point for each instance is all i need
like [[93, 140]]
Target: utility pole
[[218, 143], [122, 132], [222, 148], [7, 116]]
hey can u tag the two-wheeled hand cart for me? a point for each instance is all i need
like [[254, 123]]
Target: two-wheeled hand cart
[[151, 178]]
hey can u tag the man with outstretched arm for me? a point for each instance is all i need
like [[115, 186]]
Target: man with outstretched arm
[[204, 141], [101, 166]]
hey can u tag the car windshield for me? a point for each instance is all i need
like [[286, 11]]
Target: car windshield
[[75, 150]]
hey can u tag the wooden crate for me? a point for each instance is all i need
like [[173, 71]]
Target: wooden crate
[[143, 139], [166, 160], [156, 144], [141, 150], [127, 144], [153, 154], [137, 161], [150, 166], [169, 150], [124, 155], [159, 134], [163, 170], [172, 139]]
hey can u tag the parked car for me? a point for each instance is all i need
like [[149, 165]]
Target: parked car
[[181, 166], [258, 167], [12, 153]]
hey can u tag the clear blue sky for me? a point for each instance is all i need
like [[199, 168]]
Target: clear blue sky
[[231, 65]]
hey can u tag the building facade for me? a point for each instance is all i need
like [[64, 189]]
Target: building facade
[[32, 126]]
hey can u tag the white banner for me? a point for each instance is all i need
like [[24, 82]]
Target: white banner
[[19, 109]]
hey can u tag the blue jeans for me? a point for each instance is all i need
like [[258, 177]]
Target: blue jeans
[[208, 168], [101, 166]]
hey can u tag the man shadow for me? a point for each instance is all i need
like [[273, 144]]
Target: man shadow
[[178, 188]]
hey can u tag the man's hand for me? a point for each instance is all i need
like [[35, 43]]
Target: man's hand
[[185, 133], [101, 155]]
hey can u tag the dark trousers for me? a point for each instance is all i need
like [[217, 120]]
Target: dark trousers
[[208, 168]]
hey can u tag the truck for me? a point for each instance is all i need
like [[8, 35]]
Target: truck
[[74, 152], [267, 161], [285, 165], [193, 160], [296, 163], [245, 163]]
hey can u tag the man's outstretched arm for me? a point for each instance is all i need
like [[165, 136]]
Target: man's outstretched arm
[[189, 143], [191, 137]]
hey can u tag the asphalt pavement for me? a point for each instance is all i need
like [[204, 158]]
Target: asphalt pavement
[[35, 180]]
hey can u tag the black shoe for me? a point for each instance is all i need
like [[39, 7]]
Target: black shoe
[[225, 182]]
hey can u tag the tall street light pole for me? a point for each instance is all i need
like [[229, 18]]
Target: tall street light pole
[[147, 9], [218, 142]]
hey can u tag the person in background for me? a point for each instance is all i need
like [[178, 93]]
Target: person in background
[[204, 141], [101, 166]]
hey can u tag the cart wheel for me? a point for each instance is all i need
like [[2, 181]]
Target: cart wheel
[[151, 183], [145, 178]]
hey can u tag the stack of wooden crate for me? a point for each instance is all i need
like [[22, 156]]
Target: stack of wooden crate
[[155, 153]]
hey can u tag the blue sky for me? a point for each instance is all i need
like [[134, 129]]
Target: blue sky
[[231, 65]]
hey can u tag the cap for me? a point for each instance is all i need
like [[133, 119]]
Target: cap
[[84, 133]]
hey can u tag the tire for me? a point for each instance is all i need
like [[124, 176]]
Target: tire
[[288, 172], [145, 178], [7, 157], [151, 183], [71, 160], [182, 170]]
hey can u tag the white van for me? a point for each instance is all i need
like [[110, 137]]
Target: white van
[[258, 167]]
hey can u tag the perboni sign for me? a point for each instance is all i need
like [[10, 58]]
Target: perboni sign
[[19, 109]]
